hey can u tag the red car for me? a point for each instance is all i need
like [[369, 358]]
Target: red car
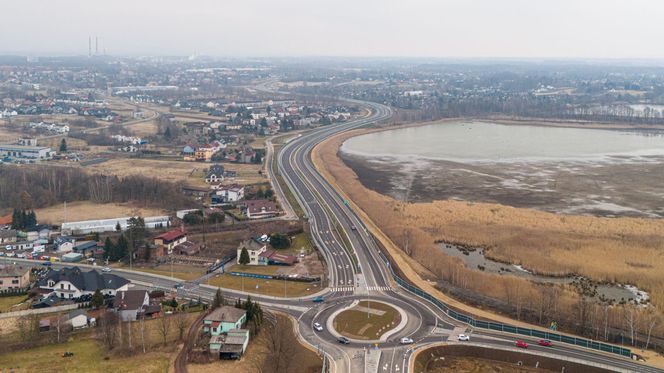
[[545, 343], [521, 344]]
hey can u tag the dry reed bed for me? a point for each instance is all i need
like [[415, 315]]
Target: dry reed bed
[[626, 250]]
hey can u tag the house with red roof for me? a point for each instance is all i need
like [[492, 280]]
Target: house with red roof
[[171, 239]]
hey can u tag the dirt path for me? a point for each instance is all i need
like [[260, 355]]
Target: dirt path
[[181, 359]]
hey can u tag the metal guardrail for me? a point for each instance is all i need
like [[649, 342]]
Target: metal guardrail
[[583, 342]]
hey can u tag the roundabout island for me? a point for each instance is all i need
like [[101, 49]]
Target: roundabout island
[[367, 320]]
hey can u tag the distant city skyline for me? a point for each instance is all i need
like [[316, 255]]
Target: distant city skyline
[[364, 28]]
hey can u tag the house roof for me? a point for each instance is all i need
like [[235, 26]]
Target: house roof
[[226, 314], [13, 270], [7, 233], [189, 247], [130, 299], [6, 220], [251, 245], [75, 313], [279, 257], [88, 281], [171, 235], [258, 205]]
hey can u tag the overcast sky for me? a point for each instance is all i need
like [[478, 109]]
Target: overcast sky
[[418, 28]]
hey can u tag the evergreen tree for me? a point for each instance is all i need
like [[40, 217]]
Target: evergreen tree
[[167, 134], [121, 248], [118, 227], [63, 145], [244, 256], [97, 299], [218, 299], [108, 248], [30, 219]]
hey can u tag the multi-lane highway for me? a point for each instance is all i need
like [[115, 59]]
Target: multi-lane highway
[[356, 270]]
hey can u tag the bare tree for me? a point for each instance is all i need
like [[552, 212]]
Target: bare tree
[[181, 324], [107, 330], [278, 346], [630, 316], [651, 319], [164, 327]]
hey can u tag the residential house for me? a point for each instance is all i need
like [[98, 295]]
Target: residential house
[[14, 277], [196, 192], [189, 153], [215, 174], [6, 221], [223, 319], [231, 345], [204, 153], [254, 248], [7, 235], [259, 208], [187, 248], [171, 239], [228, 193], [64, 244], [86, 248], [72, 283], [130, 304], [272, 257]]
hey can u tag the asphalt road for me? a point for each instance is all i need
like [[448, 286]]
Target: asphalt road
[[357, 271]]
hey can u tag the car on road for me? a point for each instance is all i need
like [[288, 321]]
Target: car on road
[[343, 340], [406, 341], [352, 227], [521, 344], [318, 327], [463, 337], [105, 269], [318, 299], [545, 343], [178, 285]]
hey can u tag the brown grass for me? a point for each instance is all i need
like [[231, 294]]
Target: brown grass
[[191, 173], [600, 248], [86, 210]]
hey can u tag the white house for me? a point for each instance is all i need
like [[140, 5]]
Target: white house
[[230, 193], [254, 248], [129, 303], [72, 283]]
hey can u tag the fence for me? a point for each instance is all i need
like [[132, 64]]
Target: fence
[[504, 327]]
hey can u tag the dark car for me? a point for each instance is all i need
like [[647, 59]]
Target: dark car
[[343, 340]]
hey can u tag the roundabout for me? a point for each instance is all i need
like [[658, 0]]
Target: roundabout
[[364, 320]]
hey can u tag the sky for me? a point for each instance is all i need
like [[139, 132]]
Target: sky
[[625, 29]]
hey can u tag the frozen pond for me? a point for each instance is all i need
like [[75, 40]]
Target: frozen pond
[[489, 142]]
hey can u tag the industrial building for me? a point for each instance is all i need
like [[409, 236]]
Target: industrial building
[[107, 225], [25, 151]]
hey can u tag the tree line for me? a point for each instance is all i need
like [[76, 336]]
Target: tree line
[[37, 186]]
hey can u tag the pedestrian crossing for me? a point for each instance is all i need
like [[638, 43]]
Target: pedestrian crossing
[[351, 288]]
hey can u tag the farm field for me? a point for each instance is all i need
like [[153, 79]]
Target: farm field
[[86, 210]]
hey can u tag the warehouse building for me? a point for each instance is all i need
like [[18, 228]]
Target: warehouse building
[[25, 151]]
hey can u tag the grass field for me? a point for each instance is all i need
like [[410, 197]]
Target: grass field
[[13, 303], [191, 173], [259, 270], [265, 287], [88, 357], [85, 210], [364, 321]]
